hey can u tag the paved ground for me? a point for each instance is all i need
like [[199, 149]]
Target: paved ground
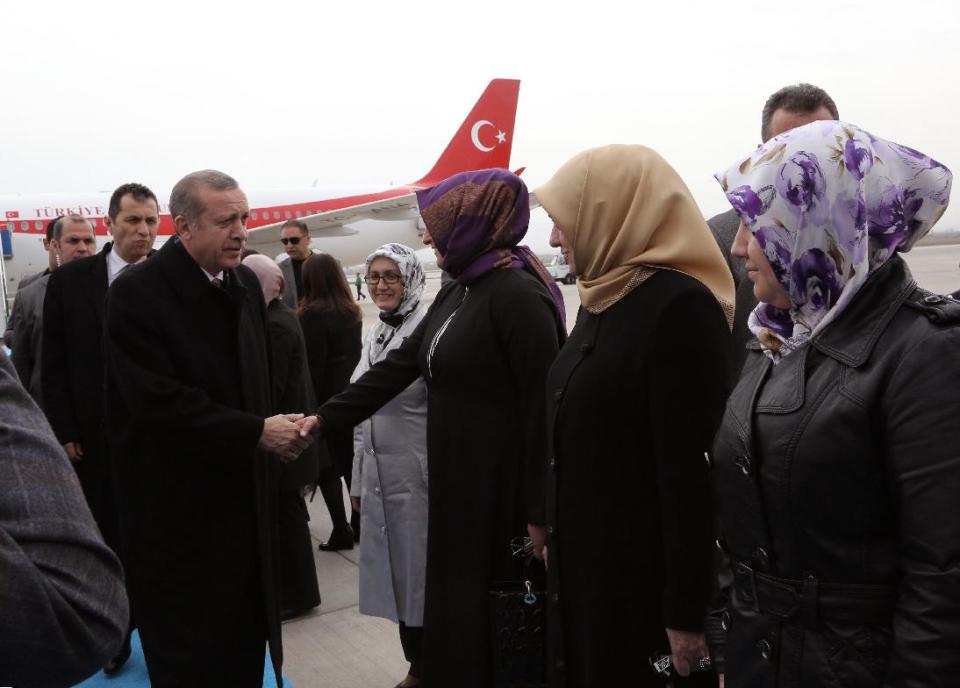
[[338, 648]]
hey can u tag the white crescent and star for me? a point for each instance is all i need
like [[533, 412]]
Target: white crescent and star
[[475, 135]]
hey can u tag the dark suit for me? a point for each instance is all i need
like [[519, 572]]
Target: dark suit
[[63, 609], [294, 394], [188, 387], [72, 376], [724, 227]]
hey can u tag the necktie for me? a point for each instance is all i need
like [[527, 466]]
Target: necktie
[[217, 282]]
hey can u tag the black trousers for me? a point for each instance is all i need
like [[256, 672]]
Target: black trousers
[[411, 638], [297, 570]]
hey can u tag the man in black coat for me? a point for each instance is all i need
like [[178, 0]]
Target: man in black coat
[[790, 107], [72, 354], [189, 411]]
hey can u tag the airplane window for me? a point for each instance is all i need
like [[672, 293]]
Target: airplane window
[[286, 214], [24, 226], [38, 225], [11, 226], [276, 214], [299, 213], [253, 214]]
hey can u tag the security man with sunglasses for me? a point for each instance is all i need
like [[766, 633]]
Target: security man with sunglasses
[[296, 242]]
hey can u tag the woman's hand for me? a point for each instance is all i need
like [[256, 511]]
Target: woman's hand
[[687, 649], [538, 534]]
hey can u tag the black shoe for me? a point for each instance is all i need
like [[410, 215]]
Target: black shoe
[[114, 666], [355, 525], [339, 539]]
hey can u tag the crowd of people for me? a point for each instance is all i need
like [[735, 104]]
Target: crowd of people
[[734, 468]]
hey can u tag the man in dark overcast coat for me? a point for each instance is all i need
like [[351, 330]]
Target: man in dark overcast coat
[[189, 411]]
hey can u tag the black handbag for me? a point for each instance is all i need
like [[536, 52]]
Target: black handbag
[[518, 631]]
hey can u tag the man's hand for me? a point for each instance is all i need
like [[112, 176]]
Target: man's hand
[[355, 503], [687, 648], [281, 436], [74, 451], [311, 425], [538, 535], [720, 676]]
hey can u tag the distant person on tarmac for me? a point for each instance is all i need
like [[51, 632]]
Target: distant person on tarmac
[[359, 282]]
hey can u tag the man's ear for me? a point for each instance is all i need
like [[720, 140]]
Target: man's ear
[[181, 227], [108, 221]]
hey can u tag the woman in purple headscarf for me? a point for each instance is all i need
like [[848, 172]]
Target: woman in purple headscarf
[[838, 460], [484, 349]]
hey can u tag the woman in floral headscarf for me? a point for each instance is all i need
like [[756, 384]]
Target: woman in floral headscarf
[[483, 349], [837, 464], [389, 486], [634, 399]]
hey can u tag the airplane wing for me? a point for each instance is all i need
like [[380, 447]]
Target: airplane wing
[[333, 223]]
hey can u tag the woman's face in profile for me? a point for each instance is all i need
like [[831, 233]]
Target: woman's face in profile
[[428, 241], [385, 295], [558, 240], [766, 286]]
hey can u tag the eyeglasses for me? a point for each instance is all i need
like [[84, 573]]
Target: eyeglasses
[[387, 277], [291, 240]]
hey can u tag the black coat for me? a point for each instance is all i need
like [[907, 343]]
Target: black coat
[[292, 390], [486, 452], [633, 401], [72, 379], [188, 387], [838, 477], [333, 351]]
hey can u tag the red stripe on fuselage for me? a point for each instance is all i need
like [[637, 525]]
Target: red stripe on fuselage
[[264, 215]]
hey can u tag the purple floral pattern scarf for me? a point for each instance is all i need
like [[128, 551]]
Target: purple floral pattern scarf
[[829, 203], [476, 219]]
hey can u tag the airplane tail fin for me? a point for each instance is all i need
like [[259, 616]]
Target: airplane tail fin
[[484, 139]]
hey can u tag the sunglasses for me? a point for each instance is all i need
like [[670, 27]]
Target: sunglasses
[[291, 240]]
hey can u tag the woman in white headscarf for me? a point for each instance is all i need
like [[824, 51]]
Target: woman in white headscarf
[[389, 485]]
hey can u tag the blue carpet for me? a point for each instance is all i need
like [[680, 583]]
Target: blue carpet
[[134, 674]]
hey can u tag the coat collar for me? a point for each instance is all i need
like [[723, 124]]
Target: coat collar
[[187, 278], [850, 338]]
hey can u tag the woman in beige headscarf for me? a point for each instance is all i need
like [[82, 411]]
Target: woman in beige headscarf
[[635, 397]]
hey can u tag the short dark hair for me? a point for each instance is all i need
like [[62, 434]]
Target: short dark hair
[[59, 223], [800, 98], [183, 198], [302, 226], [50, 226], [139, 193]]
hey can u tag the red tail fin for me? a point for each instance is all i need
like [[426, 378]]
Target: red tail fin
[[486, 136]]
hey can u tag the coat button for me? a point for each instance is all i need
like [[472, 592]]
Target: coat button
[[933, 298], [558, 395], [550, 530], [376, 490], [743, 463], [553, 464], [766, 649], [706, 457], [725, 621], [383, 530], [761, 557], [586, 348], [554, 597]]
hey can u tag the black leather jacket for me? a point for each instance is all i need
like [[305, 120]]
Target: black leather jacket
[[838, 482]]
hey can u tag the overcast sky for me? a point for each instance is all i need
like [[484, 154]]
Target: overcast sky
[[280, 94]]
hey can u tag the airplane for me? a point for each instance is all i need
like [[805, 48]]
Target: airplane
[[348, 223]]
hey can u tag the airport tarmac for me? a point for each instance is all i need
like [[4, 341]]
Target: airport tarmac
[[336, 647]]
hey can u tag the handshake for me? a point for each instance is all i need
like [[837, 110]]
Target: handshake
[[288, 434]]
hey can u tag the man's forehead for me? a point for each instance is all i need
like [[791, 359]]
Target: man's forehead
[[131, 204], [77, 227], [223, 200]]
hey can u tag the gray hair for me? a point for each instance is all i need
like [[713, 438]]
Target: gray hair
[[62, 222], [183, 198], [802, 99]]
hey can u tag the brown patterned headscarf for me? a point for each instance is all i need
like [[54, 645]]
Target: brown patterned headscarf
[[626, 213]]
